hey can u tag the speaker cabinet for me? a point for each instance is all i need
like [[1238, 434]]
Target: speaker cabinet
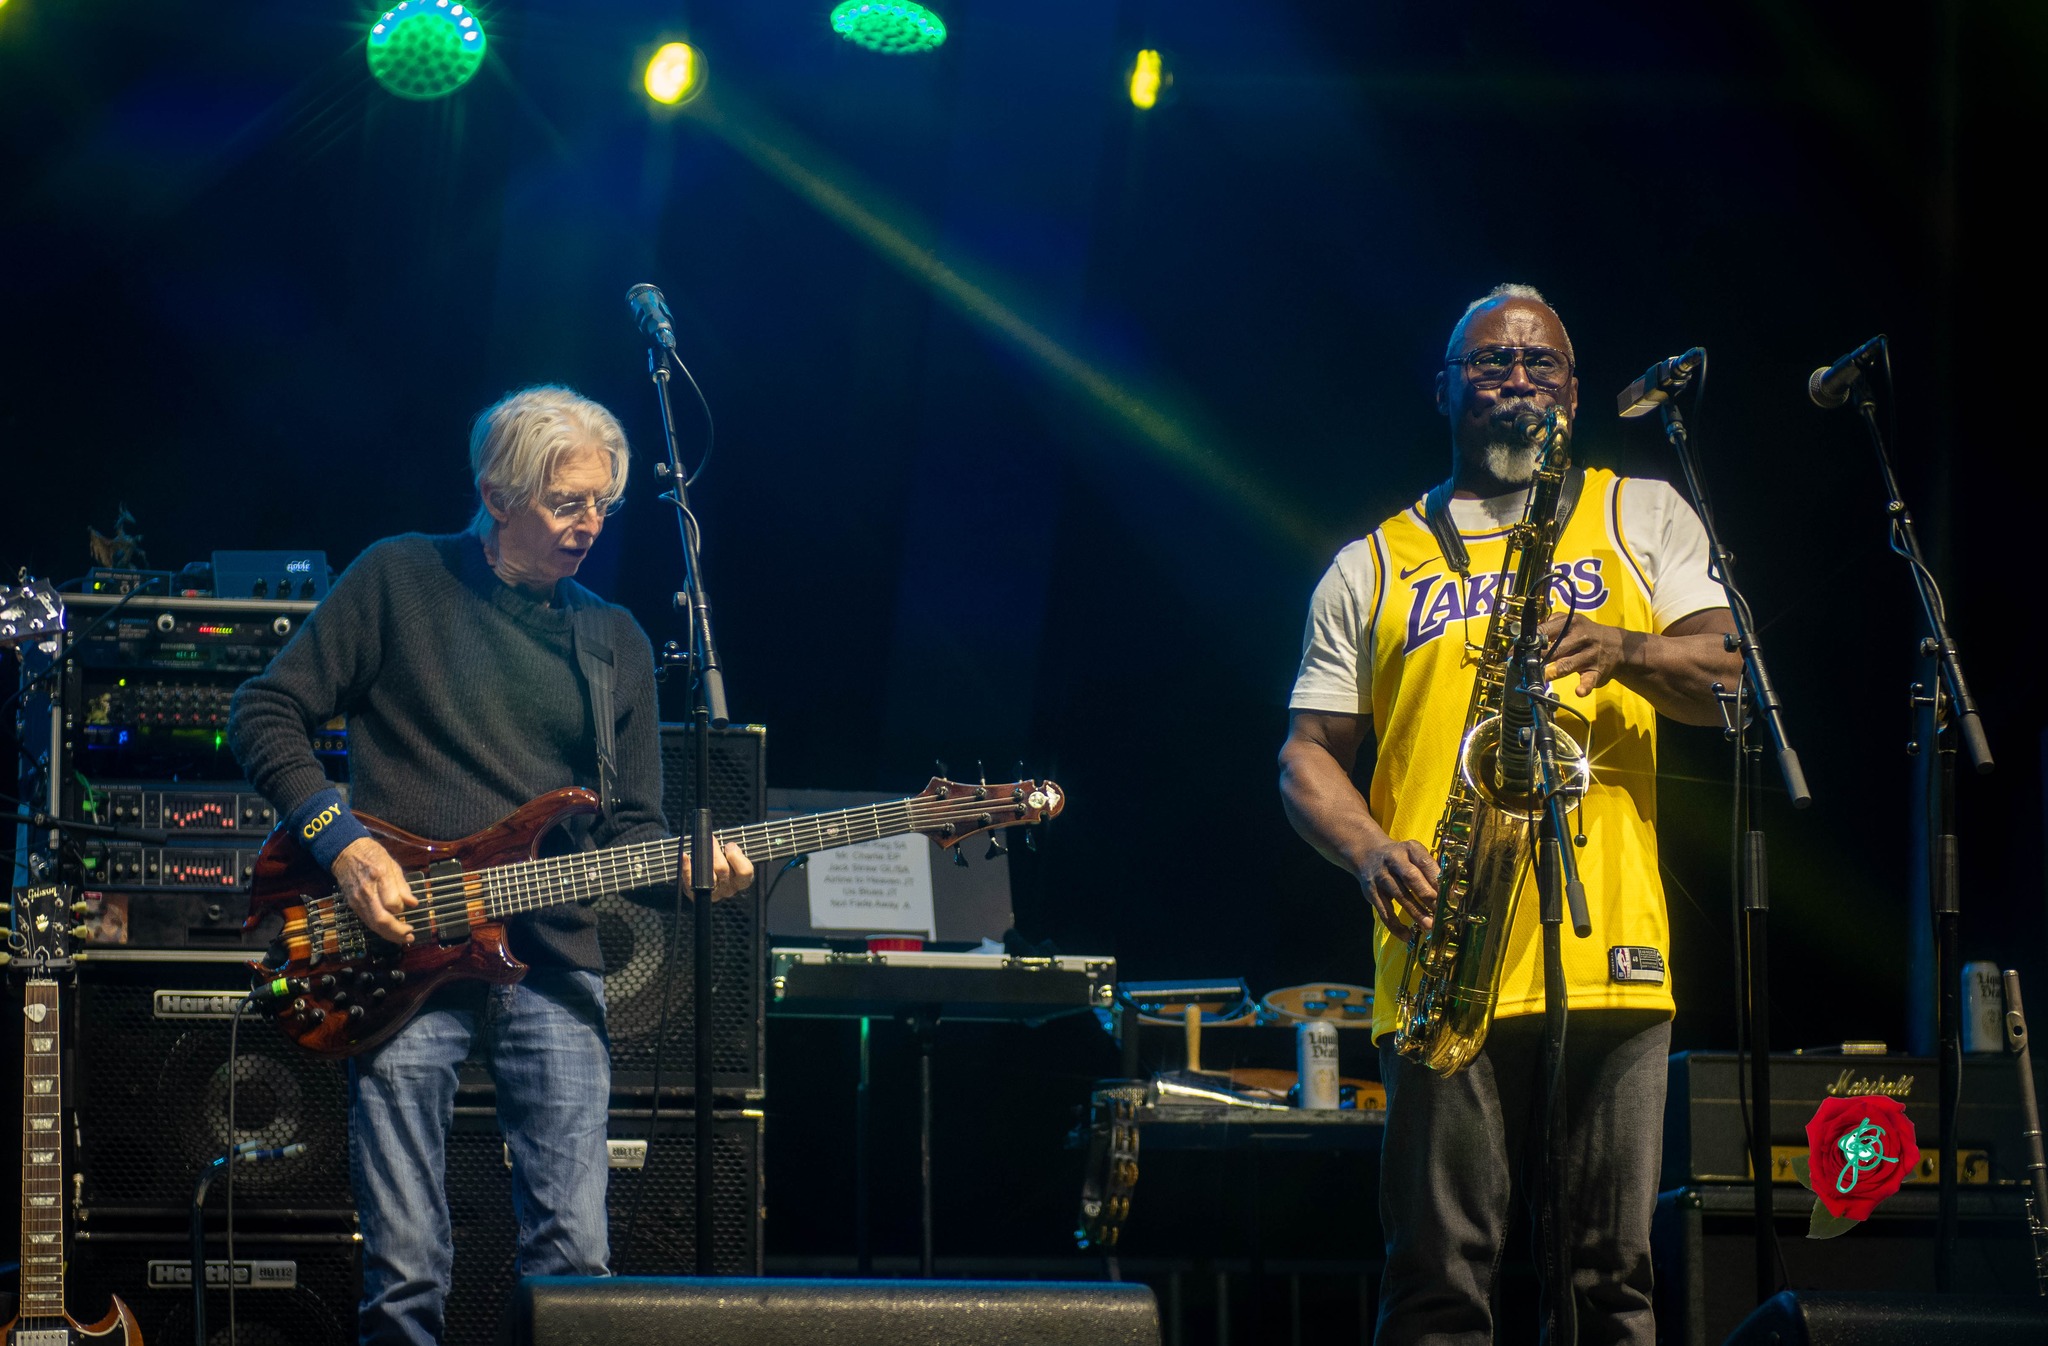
[[662, 1174], [636, 939], [587, 1311], [1703, 1241], [293, 1288], [151, 1084], [1788, 1319]]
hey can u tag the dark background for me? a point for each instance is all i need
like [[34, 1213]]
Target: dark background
[[1038, 416]]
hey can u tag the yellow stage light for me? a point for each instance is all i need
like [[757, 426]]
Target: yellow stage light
[[675, 75], [1148, 77]]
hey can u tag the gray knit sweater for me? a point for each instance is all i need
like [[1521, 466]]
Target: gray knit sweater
[[464, 701]]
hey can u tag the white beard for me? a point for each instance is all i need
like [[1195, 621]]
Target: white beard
[[1513, 463]]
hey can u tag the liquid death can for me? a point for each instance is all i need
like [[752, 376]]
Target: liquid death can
[[1315, 1061], [1983, 1008]]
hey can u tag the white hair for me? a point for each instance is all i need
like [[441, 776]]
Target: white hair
[[517, 441], [1506, 290]]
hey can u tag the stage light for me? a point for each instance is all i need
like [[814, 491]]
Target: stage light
[[425, 48], [675, 75], [895, 26], [1148, 78]]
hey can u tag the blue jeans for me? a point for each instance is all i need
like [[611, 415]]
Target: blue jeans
[[545, 1045]]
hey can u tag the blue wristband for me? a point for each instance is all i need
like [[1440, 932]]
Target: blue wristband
[[325, 827]]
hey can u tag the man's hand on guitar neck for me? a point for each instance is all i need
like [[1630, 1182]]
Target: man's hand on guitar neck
[[731, 871], [375, 888]]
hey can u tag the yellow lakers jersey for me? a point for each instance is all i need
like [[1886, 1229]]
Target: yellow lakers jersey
[[1426, 629]]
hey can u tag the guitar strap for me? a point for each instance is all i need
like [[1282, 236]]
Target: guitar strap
[[594, 657], [1436, 512]]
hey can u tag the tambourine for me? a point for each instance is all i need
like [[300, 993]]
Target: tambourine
[[1326, 1001]]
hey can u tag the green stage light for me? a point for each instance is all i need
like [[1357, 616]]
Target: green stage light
[[675, 75], [888, 25], [425, 48]]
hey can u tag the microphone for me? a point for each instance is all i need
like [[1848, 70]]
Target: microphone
[[1660, 383], [1829, 385], [650, 310]]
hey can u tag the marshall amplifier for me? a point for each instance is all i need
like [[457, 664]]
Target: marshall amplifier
[[1703, 1134], [1703, 1246]]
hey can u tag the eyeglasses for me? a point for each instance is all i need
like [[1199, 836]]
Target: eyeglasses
[[569, 511], [1491, 366]]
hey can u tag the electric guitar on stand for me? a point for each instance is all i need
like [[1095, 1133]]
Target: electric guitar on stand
[[40, 941], [337, 989]]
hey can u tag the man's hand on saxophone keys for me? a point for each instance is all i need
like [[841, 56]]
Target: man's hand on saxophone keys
[[1399, 879]]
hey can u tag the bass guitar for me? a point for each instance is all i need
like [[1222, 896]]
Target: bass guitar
[[337, 989], [40, 940]]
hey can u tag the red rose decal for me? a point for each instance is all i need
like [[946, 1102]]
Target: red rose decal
[[1858, 1151]]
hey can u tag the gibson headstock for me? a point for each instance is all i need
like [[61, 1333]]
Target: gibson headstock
[[41, 930]]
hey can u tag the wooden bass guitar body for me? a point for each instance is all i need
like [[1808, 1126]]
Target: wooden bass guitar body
[[343, 998]]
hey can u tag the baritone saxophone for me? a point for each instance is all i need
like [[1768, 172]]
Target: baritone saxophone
[[1451, 979]]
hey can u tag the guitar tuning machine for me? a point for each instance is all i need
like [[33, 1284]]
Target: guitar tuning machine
[[959, 857], [995, 846]]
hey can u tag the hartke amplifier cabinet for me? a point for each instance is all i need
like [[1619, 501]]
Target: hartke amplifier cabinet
[[294, 1287], [1703, 1242], [150, 1043], [636, 937], [664, 1237]]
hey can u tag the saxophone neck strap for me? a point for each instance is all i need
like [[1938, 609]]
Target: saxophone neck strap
[[1436, 512]]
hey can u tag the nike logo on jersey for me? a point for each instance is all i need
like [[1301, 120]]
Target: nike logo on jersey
[[1439, 600], [1412, 569]]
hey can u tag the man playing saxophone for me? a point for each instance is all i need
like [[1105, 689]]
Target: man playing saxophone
[[1389, 656]]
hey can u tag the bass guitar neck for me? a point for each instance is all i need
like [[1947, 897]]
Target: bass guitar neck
[[337, 989]]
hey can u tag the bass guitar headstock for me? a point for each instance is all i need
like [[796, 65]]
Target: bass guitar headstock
[[950, 812]]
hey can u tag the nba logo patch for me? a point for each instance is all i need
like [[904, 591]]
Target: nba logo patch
[[1637, 963]]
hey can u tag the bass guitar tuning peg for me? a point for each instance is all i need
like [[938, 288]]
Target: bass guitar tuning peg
[[959, 857], [1031, 839], [939, 768], [995, 846]]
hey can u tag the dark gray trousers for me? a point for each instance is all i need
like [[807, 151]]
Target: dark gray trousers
[[1458, 1147]]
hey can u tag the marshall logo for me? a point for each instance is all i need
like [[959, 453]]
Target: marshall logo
[[299, 567], [1848, 1085], [198, 1004], [1439, 600]]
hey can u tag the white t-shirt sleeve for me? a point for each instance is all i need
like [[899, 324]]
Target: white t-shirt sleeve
[[1666, 539], [1336, 647]]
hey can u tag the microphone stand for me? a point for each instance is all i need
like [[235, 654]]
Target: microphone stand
[[1558, 887], [1752, 872], [1943, 711], [707, 685]]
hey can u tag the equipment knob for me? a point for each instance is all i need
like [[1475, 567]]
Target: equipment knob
[[260, 589], [165, 622], [283, 625], [397, 976], [317, 1015], [355, 1013]]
